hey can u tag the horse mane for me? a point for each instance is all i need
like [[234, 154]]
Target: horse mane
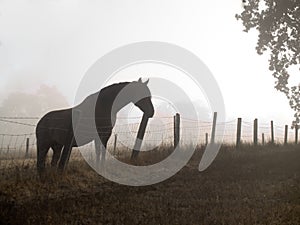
[[114, 85]]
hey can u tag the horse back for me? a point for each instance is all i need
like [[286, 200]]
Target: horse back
[[54, 126]]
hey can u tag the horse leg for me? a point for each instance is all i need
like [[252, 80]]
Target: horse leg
[[97, 150], [104, 140], [42, 150], [56, 154], [66, 152]]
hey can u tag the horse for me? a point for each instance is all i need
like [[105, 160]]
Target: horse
[[56, 130]]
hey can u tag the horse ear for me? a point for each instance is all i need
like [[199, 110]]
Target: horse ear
[[140, 80], [146, 82]]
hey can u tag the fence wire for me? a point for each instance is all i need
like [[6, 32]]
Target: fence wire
[[15, 132]]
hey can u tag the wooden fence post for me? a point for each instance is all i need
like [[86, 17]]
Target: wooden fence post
[[285, 134], [2, 147], [255, 132], [115, 143], [272, 132], [238, 132], [27, 148], [206, 138], [296, 134], [176, 129], [139, 137], [213, 130], [263, 138]]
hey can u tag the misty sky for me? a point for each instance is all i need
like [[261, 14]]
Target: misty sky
[[55, 42]]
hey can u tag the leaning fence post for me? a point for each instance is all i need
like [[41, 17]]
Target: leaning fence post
[[296, 134], [272, 132], [115, 143], [27, 148], [255, 132], [139, 137], [176, 129], [238, 132], [213, 131], [285, 134]]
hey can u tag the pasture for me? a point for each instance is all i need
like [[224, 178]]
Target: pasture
[[249, 185]]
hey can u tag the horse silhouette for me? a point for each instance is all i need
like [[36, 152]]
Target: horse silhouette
[[56, 129]]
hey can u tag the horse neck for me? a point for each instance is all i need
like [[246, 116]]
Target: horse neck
[[113, 93]]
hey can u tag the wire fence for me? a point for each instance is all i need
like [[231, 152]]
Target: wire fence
[[15, 141]]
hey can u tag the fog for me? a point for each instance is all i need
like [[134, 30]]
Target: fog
[[53, 43]]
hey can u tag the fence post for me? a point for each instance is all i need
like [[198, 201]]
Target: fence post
[[296, 134], [285, 134], [238, 132], [115, 143], [263, 138], [206, 138], [139, 137], [27, 148], [255, 132], [176, 129], [272, 132], [2, 147], [213, 131]]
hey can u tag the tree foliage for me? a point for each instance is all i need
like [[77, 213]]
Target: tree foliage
[[20, 104], [278, 25], [24, 104]]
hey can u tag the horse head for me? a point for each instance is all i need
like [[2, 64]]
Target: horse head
[[142, 91]]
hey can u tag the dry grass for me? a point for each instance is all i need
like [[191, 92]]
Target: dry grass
[[252, 185]]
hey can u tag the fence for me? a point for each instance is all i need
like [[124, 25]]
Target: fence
[[169, 131]]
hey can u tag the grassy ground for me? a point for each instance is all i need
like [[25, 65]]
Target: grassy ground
[[252, 185]]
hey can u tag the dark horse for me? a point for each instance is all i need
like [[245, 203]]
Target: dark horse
[[56, 129]]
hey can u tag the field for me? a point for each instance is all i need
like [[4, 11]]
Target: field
[[250, 185]]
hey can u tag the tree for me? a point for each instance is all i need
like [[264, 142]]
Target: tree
[[278, 25], [20, 104]]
